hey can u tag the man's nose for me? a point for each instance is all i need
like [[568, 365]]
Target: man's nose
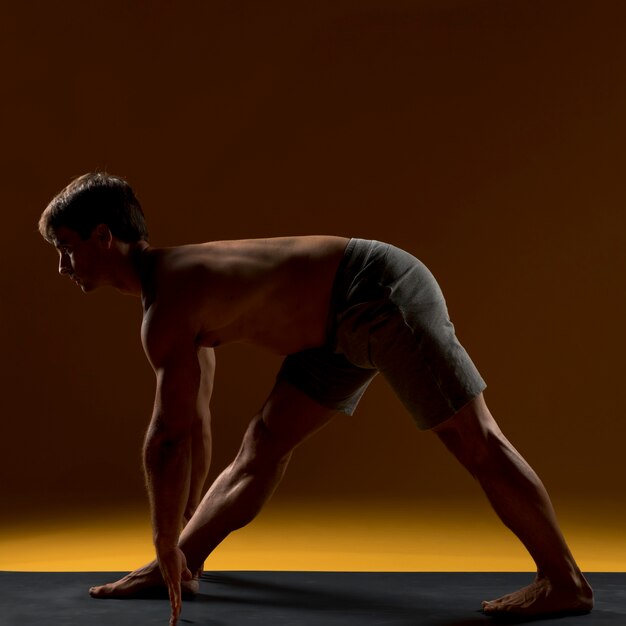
[[63, 266]]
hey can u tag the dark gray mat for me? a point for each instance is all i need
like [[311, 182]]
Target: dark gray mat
[[291, 599]]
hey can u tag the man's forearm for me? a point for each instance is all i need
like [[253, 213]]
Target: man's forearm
[[200, 464], [167, 464]]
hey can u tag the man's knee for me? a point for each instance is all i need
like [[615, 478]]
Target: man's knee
[[473, 436], [262, 448]]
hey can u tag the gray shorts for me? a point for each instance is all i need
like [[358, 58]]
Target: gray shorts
[[387, 315]]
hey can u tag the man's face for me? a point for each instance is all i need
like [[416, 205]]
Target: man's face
[[79, 259]]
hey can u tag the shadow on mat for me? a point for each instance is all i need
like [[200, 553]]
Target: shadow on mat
[[386, 606], [388, 603]]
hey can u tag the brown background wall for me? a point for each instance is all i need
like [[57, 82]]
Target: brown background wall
[[485, 137]]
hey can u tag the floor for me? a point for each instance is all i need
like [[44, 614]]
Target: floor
[[293, 599]]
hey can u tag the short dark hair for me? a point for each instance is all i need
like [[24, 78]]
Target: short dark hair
[[92, 199]]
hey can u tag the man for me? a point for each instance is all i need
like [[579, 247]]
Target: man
[[342, 310]]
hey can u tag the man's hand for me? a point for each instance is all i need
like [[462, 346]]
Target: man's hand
[[174, 570]]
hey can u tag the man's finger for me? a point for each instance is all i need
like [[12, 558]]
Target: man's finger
[[175, 602], [174, 591]]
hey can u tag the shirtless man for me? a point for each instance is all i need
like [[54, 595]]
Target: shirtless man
[[342, 310]]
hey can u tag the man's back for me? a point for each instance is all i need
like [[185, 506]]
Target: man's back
[[271, 292]]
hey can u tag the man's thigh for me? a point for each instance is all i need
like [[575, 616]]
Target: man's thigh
[[327, 377], [291, 416]]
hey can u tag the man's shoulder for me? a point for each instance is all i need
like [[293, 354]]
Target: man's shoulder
[[167, 325]]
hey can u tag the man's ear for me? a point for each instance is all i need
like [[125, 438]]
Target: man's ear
[[102, 234]]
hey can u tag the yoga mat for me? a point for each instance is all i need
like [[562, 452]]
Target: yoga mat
[[291, 599]]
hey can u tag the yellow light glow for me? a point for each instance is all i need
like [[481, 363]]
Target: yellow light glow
[[337, 538]]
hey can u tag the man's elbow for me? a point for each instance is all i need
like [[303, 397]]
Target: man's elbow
[[167, 437]]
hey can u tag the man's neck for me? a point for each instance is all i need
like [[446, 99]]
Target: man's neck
[[127, 277]]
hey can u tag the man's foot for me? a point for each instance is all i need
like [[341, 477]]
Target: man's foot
[[542, 598], [145, 582]]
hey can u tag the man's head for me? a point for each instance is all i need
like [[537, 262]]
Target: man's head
[[94, 219], [94, 199]]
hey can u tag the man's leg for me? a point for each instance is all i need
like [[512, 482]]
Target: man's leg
[[522, 503], [240, 491]]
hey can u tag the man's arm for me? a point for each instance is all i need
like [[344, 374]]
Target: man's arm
[[201, 437], [167, 454]]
